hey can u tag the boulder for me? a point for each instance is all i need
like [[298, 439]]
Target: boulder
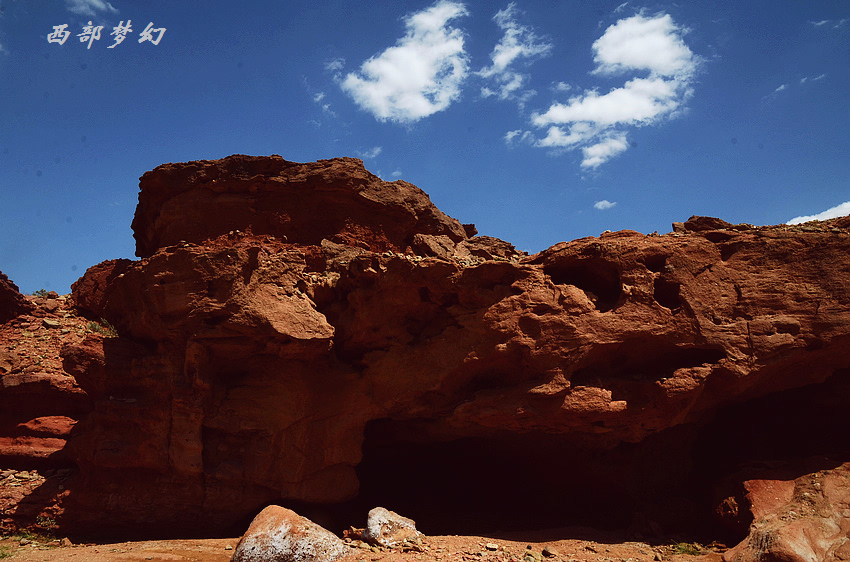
[[804, 519], [388, 528], [278, 534]]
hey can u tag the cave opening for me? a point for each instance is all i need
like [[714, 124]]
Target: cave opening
[[670, 486], [597, 277], [489, 485]]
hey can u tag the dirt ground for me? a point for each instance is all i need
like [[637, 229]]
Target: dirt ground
[[435, 549]]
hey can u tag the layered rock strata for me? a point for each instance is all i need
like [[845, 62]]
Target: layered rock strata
[[280, 310]]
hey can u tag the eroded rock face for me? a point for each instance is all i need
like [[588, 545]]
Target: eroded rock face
[[303, 203], [12, 302], [280, 308]]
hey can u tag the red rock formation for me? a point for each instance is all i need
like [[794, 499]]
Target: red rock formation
[[280, 310], [304, 203], [12, 302], [798, 518]]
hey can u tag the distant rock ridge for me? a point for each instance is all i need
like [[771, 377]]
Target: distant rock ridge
[[292, 331]]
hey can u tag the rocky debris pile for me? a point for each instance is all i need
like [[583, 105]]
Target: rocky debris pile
[[39, 402], [39, 406]]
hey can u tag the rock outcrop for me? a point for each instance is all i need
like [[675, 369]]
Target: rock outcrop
[[337, 200], [12, 302], [798, 518], [291, 327]]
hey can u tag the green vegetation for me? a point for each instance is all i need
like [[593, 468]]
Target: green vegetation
[[692, 549], [102, 327], [42, 293], [6, 552], [46, 523]]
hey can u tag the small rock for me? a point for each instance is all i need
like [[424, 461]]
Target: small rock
[[389, 529], [48, 323], [66, 542], [658, 557], [25, 542], [491, 546], [550, 551]]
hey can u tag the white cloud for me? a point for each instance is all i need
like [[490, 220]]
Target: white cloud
[[594, 121], [319, 97], [562, 87], [518, 42], [601, 152], [837, 211], [371, 153], [604, 205], [780, 88], [396, 174], [638, 43], [513, 137], [335, 65], [89, 7], [419, 76]]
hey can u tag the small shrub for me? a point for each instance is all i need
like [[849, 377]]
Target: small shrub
[[6, 552], [692, 549], [41, 293], [46, 523], [102, 327]]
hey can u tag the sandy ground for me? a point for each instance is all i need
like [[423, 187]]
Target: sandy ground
[[435, 549]]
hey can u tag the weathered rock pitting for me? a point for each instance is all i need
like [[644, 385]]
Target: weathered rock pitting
[[285, 318]]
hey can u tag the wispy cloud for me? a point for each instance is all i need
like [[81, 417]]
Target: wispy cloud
[[604, 205], [783, 87], [371, 153], [335, 65], [318, 98], [89, 7], [513, 137], [419, 76], [518, 43], [838, 211], [831, 24], [595, 122]]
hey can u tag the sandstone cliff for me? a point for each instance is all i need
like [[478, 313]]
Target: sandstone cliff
[[308, 332]]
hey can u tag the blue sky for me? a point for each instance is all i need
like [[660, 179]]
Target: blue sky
[[537, 121]]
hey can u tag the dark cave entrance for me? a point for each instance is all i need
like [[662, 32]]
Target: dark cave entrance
[[667, 487], [490, 485]]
